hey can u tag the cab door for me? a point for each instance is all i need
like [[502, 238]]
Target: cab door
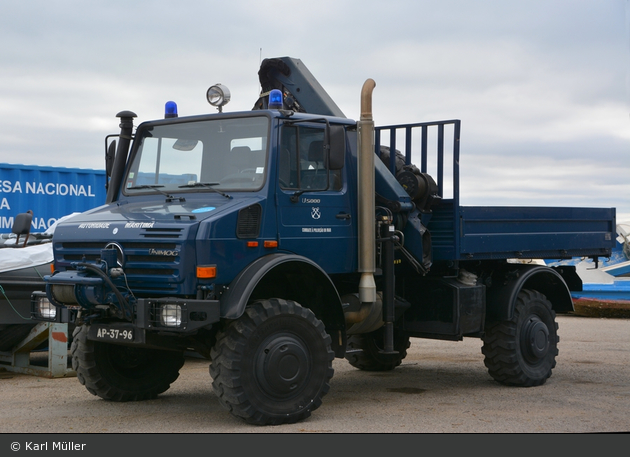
[[315, 215]]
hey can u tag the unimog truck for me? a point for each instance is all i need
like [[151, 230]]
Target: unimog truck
[[275, 240]]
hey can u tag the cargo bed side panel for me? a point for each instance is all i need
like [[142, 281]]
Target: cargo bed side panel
[[531, 232]]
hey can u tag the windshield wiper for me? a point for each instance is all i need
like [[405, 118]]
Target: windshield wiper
[[207, 185], [155, 187]]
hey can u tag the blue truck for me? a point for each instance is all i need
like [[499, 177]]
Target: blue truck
[[275, 240]]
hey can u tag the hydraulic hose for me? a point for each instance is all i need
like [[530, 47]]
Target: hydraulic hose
[[124, 304]]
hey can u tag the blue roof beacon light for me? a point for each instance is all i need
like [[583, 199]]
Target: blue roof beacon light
[[275, 99], [170, 110]]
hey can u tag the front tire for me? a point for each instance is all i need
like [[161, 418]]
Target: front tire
[[122, 373], [522, 351], [273, 364]]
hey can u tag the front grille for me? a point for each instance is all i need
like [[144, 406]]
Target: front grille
[[84, 245], [144, 271], [153, 272], [148, 258]]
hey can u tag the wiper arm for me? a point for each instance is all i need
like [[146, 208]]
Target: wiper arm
[[155, 187], [296, 195], [207, 185]]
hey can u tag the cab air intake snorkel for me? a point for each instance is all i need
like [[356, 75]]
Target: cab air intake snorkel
[[126, 129]]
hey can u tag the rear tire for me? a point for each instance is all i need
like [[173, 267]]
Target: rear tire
[[370, 344], [273, 364], [122, 373], [522, 351]]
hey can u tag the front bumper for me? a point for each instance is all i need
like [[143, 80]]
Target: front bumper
[[93, 293], [161, 314]]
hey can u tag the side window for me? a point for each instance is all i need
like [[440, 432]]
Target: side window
[[303, 161]]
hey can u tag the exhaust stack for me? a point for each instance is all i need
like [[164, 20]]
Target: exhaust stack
[[366, 211]]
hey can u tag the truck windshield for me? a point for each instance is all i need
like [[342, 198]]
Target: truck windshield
[[204, 155]]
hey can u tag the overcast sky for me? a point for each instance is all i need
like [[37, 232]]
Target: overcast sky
[[542, 87]]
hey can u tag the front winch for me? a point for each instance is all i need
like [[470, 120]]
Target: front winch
[[90, 285]]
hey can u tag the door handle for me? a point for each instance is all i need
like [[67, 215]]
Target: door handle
[[343, 216]]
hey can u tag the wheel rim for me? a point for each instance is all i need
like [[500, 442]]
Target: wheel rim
[[283, 366], [535, 339]]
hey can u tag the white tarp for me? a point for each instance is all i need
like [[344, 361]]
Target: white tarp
[[30, 256], [12, 258]]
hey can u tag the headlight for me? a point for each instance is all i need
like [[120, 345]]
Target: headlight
[[171, 315], [42, 308]]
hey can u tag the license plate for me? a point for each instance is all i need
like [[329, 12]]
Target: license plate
[[106, 333]]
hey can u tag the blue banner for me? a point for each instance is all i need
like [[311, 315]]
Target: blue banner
[[50, 192]]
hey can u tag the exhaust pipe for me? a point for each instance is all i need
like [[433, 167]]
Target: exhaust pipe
[[366, 211]]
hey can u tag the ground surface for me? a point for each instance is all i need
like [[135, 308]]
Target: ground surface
[[441, 387]]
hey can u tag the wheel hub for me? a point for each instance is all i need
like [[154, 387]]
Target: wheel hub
[[282, 366], [535, 338]]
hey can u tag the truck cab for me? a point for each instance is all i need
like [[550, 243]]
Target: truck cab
[[204, 197]]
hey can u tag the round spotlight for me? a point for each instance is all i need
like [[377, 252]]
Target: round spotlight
[[218, 96]]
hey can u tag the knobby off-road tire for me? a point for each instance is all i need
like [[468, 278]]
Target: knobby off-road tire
[[121, 373], [370, 359], [272, 365], [522, 351]]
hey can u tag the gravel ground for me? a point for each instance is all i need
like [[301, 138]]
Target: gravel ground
[[441, 387]]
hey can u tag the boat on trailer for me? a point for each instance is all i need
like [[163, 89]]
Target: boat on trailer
[[605, 283]]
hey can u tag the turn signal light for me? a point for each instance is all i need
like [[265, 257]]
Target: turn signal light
[[206, 272], [271, 244]]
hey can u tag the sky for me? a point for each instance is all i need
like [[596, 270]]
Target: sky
[[542, 87]]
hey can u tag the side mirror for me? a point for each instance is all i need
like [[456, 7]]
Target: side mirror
[[337, 137]]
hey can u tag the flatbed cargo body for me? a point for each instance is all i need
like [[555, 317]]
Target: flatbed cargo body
[[483, 232]]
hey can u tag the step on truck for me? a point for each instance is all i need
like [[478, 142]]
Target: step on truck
[[275, 240]]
